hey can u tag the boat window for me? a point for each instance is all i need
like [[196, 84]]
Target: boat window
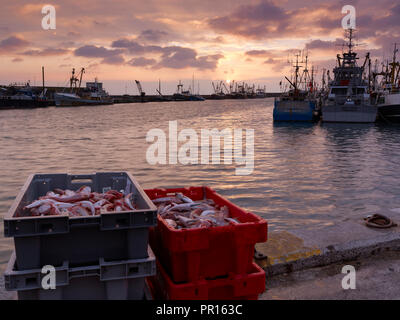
[[339, 90]]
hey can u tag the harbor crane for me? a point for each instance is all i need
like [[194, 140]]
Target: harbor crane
[[139, 86], [74, 80]]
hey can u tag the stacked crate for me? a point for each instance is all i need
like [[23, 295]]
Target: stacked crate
[[94, 257], [207, 263]]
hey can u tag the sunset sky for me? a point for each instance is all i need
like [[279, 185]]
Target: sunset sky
[[122, 40]]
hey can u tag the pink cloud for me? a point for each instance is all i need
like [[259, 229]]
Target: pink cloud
[[12, 43]]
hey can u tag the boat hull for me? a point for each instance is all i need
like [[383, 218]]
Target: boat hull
[[389, 113], [290, 110], [65, 101], [361, 113], [390, 110], [6, 103], [184, 97]]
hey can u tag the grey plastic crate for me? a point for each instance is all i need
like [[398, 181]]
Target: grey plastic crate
[[80, 240], [121, 280], [147, 292]]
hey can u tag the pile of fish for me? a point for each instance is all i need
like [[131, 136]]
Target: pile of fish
[[80, 203], [181, 212]]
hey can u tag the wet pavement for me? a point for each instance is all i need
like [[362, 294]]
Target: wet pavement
[[377, 277]]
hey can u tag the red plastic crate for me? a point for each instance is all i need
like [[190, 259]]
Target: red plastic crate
[[234, 287], [206, 253]]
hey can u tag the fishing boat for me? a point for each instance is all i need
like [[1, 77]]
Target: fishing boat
[[388, 94], [93, 94], [261, 92], [299, 103], [185, 95], [348, 98], [219, 93], [21, 98]]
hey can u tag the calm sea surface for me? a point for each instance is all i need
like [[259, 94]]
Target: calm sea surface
[[305, 176]]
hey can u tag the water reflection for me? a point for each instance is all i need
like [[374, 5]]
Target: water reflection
[[306, 175]]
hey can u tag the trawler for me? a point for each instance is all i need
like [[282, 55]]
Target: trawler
[[348, 98], [14, 98], [299, 103], [23, 97], [185, 95], [388, 95], [93, 94]]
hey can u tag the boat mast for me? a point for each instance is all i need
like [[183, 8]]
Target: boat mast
[[297, 68], [350, 44], [180, 87], [394, 66], [306, 75], [192, 91], [43, 79], [80, 78], [72, 80]]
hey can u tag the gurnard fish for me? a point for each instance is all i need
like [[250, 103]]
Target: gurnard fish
[[80, 203], [181, 212]]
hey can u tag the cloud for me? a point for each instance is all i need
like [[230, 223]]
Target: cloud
[[109, 56], [392, 19], [254, 21], [12, 43], [179, 58], [17, 60], [142, 62], [275, 59], [270, 61], [117, 59], [91, 51], [74, 34], [257, 52], [173, 57], [134, 47], [265, 10], [152, 36], [324, 44], [46, 52]]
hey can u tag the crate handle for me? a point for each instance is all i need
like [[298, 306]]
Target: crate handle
[[85, 179], [81, 177]]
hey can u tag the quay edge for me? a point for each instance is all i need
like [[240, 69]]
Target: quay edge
[[296, 250]]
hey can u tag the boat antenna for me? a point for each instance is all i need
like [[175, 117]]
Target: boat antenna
[[192, 91], [297, 68], [43, 93], [350, 36]]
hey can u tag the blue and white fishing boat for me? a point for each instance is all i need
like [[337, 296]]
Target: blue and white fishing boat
[[349, 99], [298, 104]]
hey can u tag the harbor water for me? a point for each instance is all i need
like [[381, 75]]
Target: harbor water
[[305, 176]]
